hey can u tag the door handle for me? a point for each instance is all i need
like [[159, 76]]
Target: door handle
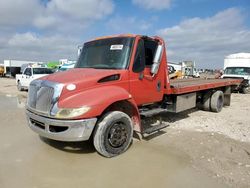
[[158, 86]]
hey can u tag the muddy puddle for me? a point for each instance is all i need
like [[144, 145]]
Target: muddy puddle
[[26, 160], [8, 101]]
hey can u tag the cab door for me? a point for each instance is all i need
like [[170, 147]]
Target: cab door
[[26, 77], [145, 88]]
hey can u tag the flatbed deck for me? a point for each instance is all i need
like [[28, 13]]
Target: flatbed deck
[[180, 86]]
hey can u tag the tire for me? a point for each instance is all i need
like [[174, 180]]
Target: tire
[[113, 134], [246, 90], [206, 102], [217, 101], [19, 86]]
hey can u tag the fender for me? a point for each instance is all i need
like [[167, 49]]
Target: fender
[[136, 118], [98, 99]]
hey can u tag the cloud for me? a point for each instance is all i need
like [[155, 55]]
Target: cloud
[[31, 46], [153, 5], [128, 24], [43, 22], [16, 12], [53, 13], [208, 40], [59, 12], [82, 9], [47, 29]]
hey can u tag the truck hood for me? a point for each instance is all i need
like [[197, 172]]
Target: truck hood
[[82, 77]]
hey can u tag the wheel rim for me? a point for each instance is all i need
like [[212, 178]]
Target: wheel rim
[[118, 135]]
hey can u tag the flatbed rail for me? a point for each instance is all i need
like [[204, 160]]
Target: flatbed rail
[[180, 86]]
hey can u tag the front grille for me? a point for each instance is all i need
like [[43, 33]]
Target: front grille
[[40, 97], [32, 96], [44, 99], [52, 128]]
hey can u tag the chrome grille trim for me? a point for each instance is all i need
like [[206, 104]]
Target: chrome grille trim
[[42, 96]]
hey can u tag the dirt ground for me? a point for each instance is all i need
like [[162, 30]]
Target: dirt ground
[[197, 149]]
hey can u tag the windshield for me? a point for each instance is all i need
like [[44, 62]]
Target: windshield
[[237, 70], [42, 71], [111, 53]]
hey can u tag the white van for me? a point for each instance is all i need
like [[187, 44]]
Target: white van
[[238, 66]]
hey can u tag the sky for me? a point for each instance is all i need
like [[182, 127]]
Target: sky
[[204, 31]]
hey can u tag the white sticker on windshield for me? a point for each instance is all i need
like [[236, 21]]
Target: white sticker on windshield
[[116, 47]]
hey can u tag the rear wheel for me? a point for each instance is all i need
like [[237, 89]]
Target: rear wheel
[[113, 134], [217, 101], [206, 101]]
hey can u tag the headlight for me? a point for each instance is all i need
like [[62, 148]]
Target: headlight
[[65, 113]]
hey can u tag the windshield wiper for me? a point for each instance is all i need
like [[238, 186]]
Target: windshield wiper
[[100, 67], [105, 68]]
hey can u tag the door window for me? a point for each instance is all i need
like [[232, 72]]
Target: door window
[[27, 72], [150, 48], [139, 63]]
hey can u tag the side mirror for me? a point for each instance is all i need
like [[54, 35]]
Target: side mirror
[[157, 60]]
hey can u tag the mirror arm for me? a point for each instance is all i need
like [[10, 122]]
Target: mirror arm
[[141, 75]]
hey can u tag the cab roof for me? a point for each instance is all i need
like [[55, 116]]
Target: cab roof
[[122, 35], [112, 36]]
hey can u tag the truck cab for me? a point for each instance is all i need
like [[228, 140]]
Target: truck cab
[[30, 73], [237, 66]]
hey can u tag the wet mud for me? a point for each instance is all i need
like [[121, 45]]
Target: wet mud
[[27, 160]]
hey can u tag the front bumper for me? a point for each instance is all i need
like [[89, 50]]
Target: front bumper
[[62, 130]]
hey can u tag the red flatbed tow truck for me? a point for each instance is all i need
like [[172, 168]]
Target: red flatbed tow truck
[[117, 81]]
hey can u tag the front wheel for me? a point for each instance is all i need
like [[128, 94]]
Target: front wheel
[[113, 134], [19, 86], [246, 90]]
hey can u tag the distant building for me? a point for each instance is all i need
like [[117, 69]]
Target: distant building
[[13, 67]]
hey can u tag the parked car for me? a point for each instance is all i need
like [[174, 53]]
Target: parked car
[[30, 73]]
